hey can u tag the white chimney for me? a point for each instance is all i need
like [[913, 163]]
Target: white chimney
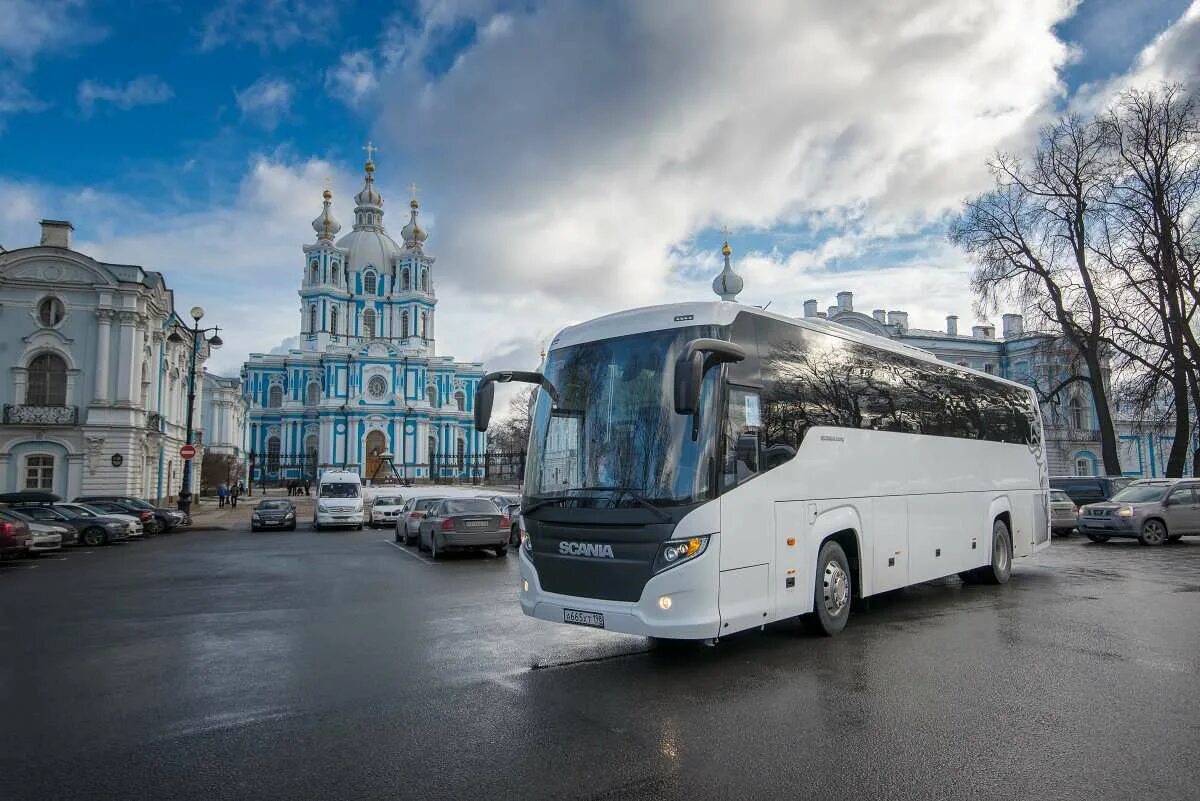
[[57, 233], [845, 301], [983, 332], [1014, 325], [810, 308], [880, 316], [898, 319], [952, 325]]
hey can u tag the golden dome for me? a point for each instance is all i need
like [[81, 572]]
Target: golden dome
[[369, 166], [726, 250], [327, 195]]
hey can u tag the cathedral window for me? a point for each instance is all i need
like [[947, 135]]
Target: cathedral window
[[377, 387], [39, 472], [369, 282], [333, 320], [51, 312], [312, 396], [316, 272], [424, 325], [460, 400], [424, 280], [47, 381], [368, 323], [405, 283], [312, 319], [275, 397], [404, 329], [431, 395], [273, 454]]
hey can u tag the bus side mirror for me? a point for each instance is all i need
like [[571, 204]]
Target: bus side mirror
[[485, 395], [697, 358]]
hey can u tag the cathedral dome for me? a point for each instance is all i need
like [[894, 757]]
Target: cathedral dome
[[369, 195], [325, 225], [414, 235], [369, 247]]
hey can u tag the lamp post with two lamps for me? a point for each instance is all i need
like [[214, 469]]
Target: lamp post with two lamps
[[185, 490]]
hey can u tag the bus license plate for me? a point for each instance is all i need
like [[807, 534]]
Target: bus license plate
[[593, 619]]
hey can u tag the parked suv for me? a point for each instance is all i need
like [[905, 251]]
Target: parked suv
[[1089, 489], [158, 521], [1154, 511]]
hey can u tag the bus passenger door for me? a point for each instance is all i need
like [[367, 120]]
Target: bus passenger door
[[889, 543]]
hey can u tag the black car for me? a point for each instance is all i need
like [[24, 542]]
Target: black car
[[93, 529], [1089, 489], [274, 513], [155, 519]]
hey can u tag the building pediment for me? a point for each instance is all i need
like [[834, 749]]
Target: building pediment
[[42, 266]]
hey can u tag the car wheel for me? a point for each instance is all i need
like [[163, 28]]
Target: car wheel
[[421, 540], [1000, 569], [1153, 533], [502, 550], [94, 537], [253, 529], [434, 553], [409, 539], [359, 527], [316, 526], [832, 592], [153, 527], [292, 527], [398, 535]]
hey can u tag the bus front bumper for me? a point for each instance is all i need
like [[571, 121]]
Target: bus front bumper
[[692, 613]]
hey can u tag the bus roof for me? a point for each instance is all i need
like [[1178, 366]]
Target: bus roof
[[717, 312]]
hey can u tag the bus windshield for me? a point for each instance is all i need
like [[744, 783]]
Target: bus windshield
[[614, 439]]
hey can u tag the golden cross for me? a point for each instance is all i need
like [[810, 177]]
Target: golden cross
[[370, 148], [328, 182], [413, 189], [725, 232]]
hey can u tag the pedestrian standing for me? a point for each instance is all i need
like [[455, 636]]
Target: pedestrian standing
[[306, 486], [233, 496], [222, 492]]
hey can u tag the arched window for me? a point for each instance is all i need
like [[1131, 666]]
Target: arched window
[[405, 282], [424, 280], [460, 400], [333, 321], [404, 329], [431, 394], [312, 319], [39, 471], [334, 276], [273, 454], [312, 395], [368, 323], [1075, 412], [424, 325], [275, 396], [369, 281], [47, 381], [51, 312], [315, 269]]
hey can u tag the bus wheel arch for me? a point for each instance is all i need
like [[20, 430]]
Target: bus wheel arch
[[834, 587], [848, 539]]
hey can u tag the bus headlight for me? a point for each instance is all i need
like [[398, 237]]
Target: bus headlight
[[674, 552], [527, 544]]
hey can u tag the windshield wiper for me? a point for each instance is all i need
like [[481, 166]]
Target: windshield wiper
[[637, 496], [531, 508]]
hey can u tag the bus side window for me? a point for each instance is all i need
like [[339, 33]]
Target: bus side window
[[743, 437]]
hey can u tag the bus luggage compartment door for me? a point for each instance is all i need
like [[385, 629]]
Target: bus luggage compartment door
[[744, 598]]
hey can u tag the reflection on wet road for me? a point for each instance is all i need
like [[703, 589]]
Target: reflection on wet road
[[231, 665]]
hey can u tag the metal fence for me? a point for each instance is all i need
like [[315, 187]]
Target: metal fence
[[276, 470]]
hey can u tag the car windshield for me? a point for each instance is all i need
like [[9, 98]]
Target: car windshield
[[99, 511], [1059, 496], [470, 506], [425, 504], [274, 506], [74, 510], [389, 501], [613, 438], [1141, 493], [341, 489]]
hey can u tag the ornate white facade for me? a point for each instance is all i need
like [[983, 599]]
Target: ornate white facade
[[95, 394], [366, 381]]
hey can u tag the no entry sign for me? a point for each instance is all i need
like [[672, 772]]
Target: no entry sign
[[187, 451]]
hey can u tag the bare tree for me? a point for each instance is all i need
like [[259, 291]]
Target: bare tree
[[510, 434], [1151, 222], [1030, 240]]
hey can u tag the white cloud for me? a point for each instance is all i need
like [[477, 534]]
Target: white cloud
[[266, 101], [30, 30], [145, 90], [353, 78], [268, 24]]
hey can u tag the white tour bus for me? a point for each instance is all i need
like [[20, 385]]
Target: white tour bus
[[339, 499], [698, 469]]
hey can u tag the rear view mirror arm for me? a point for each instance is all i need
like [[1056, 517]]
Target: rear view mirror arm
[[485, 391]]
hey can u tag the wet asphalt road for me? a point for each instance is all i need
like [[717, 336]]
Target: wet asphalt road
[[336, 665]]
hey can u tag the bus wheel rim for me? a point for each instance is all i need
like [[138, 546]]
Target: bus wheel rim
[[1001, 549], [836, 588]]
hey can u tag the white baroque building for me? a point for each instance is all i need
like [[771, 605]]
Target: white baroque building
[[366, 382], [95, 396]]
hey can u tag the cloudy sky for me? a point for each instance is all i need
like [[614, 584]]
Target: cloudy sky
[[573, 158]]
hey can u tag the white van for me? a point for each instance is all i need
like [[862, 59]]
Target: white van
[[339, 500]]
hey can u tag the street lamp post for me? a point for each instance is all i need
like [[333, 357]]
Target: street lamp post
[[185, 490]]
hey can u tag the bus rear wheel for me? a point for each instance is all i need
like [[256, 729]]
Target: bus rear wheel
[[832, 592], [1000, 569]]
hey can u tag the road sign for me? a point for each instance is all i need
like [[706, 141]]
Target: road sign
[[187, 451]]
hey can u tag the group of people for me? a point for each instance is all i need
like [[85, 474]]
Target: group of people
[[298, 487], [228, 495]]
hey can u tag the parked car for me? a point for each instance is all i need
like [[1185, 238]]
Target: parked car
[[47, 536], [1064, 514], [1154, 510], [384, 510], [151, 523], [274, 513], [1089, 489], [99, 528], [464, 524], [339, 500], [511, 506], [408, 524], [46, 515], [14, 536], [164, 519]]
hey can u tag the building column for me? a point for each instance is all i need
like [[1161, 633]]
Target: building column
[[104, 319], [128, 356]]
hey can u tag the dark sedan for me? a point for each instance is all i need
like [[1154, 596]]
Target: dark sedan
[[273, 513], [159, 519], [464, 524], [90, 529]]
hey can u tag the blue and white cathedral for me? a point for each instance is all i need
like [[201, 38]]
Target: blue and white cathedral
[[366, 382]]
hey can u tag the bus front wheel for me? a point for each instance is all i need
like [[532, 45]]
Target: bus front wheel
[[832, 592]]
